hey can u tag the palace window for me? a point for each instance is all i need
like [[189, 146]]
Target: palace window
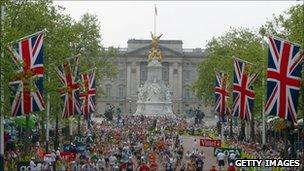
[[143, 71], [165, 71], [108, 90], [121, 75], [187, 74], [187, 92], [175, 71], [121, 93]]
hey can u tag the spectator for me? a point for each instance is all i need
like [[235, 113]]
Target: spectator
[[231, 167], [213, 168]]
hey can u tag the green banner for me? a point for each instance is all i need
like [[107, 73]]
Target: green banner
[[79, 139], [227, 151]]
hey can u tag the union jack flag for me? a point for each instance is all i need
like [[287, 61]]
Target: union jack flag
[[283, 79], [70, 90], [221, 94], [27, 84], [243, 95], [88, 94]]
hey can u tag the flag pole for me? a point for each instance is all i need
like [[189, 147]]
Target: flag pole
[[263, 102], [27, 36], [239, 59], [222, 132], [303, 54], [1, 93], [92, 69], [263, 121], [155, 13], [74, 56], [47, 134], [70, 129]]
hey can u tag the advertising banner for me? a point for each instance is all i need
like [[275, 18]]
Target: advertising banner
[[227, 151], [210, 143]]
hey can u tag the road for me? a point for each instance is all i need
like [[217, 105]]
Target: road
[[210, 160]]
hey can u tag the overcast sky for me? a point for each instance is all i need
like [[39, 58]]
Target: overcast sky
[[193, 22]]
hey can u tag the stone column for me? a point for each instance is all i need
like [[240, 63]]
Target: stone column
[[137, 76], [132, 80], [171, 83], [128, 88], [179, 86], [180, 80]]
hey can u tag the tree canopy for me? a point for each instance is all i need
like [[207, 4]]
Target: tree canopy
[[237, 42], [248, 45], [26, 17]]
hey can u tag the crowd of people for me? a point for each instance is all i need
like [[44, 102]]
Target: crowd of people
[[141, 143], [125, 143]]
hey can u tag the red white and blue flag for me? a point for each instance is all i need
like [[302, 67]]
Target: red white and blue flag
[[70, 90], [27, 83], [243, 95], [88, 94], [221, 94], [283, 79]]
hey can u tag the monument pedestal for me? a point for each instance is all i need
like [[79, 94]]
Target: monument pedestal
[[154, 109], [154, 98]]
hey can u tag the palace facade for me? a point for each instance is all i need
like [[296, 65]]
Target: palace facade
[[179, 72]]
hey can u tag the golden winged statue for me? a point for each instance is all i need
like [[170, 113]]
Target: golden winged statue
[[154, 52]]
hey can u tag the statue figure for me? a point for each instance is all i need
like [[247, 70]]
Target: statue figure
[[155, 89], [154, 52], [155, 40]]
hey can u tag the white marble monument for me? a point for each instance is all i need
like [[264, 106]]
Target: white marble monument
[[154, 98]]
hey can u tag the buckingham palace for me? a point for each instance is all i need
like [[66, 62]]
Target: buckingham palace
[[179, 72]]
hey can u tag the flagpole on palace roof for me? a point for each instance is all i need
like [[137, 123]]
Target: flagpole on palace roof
[[155, 13], [1, 92]]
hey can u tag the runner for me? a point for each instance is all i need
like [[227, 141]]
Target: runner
[[221, 159]]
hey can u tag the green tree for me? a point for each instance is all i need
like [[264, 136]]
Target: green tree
[[237, 42], [240, 43], [289, 26], [88, 44], [26, 17]]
